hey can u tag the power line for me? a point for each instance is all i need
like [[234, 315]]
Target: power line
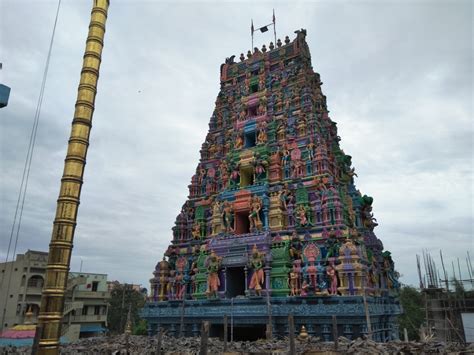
[[27, 169]]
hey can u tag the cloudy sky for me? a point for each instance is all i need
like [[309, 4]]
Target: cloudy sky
[[397, 75]]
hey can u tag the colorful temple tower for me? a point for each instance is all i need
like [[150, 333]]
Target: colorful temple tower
[[274, 224]]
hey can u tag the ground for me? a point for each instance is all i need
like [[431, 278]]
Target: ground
[[190, 346]]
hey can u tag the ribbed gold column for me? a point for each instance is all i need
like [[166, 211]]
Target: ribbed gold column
[[52, 300]]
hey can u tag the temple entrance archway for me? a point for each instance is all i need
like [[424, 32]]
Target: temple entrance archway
[[235, 282]]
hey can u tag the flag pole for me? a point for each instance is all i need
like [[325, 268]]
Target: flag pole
[[251, 31], [50, 318], [274, 27]]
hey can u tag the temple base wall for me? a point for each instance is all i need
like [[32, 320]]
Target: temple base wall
[[184, 318]]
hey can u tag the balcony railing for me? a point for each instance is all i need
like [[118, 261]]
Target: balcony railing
[[70, 306], [89, 318], [91, 294], [34, 290]]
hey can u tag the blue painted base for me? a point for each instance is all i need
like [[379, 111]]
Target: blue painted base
[[315, 313]]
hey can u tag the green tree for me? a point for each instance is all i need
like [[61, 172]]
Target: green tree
[[140, 328], [123, 297], [413, 314]]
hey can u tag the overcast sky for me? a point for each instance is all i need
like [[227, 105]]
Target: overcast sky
[[397, 75]]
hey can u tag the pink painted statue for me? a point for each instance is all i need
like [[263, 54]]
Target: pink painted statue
[[332, 274]]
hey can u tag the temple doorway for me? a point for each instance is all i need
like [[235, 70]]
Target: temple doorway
[[235, 282], [242, 223], [249, 332]]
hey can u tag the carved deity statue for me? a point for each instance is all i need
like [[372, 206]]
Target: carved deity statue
[[301, 125], [296, 248], [196, 231], [216, 208], [239, 142], [262, 107], [293, 280], [179, 280], [256, 263], [310, 147], [262, 133], [281, 131], [254, 215], [262, 137], [228, 217], [301, 216], [332, 276], [286, 162], [235, 176], [242, 115], [259, 168], [213, 264], [297, 168], [286, 196]]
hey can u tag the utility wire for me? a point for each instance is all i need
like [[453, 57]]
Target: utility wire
[[26, 171]]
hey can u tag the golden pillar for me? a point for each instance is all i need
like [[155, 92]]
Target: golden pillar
[[52, 301]]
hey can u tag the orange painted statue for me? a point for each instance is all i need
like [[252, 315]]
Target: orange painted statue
[[213, 264], [256, 263]]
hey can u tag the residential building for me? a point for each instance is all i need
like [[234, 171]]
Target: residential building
[[21, 284]]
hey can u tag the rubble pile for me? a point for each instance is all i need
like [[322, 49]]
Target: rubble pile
[[117, 345]]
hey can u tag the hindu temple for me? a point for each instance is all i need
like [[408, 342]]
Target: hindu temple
[[274, 224]]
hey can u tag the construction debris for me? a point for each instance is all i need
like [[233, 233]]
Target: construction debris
[[121, 345]]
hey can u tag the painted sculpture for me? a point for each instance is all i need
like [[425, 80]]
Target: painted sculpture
[[213, 264], [273, 205], [256, 263]]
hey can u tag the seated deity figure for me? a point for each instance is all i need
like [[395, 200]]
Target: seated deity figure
[[301, 216], [304, 289], [196, 231], [256, 263], [296, 248], [262, 133], [213, 264], [239, 142]]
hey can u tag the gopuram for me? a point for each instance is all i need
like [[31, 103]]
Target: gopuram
[[274, 224]]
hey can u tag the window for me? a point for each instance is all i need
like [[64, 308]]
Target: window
[[96, 310], [35, 281], [242, 223], [250, 139], [246, 176], [95, 285], [252, 111], [84, 310]]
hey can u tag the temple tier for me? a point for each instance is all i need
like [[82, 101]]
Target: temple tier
[[274, 224]]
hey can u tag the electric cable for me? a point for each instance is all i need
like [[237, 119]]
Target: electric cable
[[26, 170]]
